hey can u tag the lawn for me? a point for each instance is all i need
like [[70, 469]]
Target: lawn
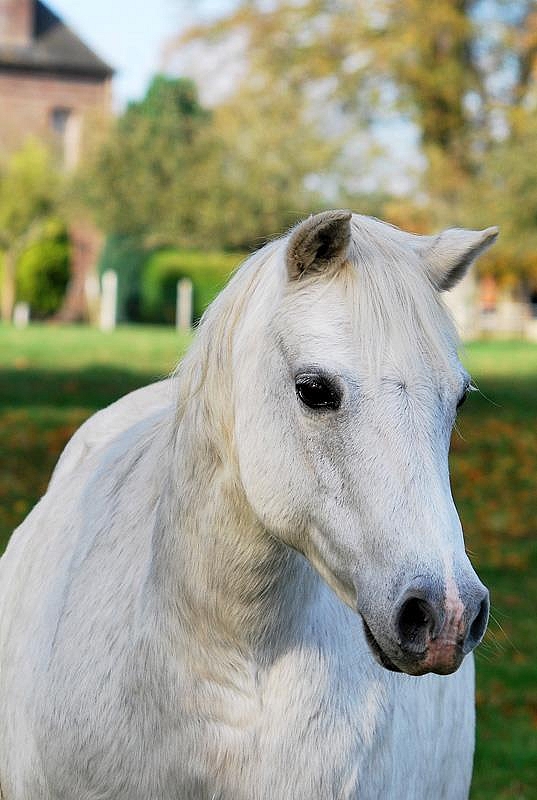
[[494, 471], [52, 378]]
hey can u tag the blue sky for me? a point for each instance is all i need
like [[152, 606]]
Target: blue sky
[[129, 34]]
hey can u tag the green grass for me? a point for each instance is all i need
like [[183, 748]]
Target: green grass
[[138, 348], [51, 379], [494, 472]]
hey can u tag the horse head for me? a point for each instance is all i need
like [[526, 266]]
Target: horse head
[[346, 388]]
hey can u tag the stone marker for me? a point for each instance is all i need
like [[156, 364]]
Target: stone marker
[[108, 301], [21, 315], [183, 316]]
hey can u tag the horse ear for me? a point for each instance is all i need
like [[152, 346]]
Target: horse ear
[[448, 255], [319, 243]]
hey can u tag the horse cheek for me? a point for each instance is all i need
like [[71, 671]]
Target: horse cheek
[[273, 483]]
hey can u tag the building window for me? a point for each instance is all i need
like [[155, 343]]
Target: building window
[[59, 117], [65, 125]]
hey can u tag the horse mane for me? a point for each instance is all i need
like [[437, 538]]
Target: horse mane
[[206, 370]]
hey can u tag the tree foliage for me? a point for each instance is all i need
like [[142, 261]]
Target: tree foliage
[[506, 192], [174, 173], [315, 83], [30, 189], [137, 180], [43, 270], [455, 69]]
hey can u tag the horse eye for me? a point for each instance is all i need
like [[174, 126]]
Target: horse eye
[[315, 391]]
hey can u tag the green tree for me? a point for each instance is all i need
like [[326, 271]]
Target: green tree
[[43, 270], [173, 173], [29, 191], [137, 181], [255, 180]]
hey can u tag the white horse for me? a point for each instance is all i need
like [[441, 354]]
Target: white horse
[[236, 575]]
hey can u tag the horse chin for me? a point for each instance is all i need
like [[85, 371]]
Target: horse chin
[[377, 651]]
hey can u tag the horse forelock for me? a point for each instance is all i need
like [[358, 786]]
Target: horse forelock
[[396, 309]]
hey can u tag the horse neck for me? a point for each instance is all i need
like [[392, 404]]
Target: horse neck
[[216, 572]]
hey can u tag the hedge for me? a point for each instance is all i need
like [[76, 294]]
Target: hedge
[[208, 271], [43, 271], [126, 256]]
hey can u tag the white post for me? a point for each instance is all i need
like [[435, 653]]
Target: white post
[[183, 315], [108, 301], [21, 315]]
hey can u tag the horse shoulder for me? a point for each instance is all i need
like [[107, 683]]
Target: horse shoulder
[[23, 566], [46, 630]]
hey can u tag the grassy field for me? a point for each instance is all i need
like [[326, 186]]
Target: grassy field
[[494, 471], [51, 379]]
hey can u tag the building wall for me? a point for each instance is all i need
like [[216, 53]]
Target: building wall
[[28, 102]]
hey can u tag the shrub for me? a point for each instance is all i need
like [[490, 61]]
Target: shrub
[[43, 271], [126, 256], [207, 271]]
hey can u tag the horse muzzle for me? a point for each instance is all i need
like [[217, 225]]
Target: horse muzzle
[[431, 631]]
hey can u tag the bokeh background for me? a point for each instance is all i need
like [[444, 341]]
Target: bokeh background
[[166, 140]]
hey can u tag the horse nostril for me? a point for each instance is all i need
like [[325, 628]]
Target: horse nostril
[[415, 624], [478, 626]]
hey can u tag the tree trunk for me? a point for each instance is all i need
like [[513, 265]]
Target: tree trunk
[[86, 243]]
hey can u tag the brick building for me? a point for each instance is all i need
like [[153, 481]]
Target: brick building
[[49, 79], [51, 85]]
